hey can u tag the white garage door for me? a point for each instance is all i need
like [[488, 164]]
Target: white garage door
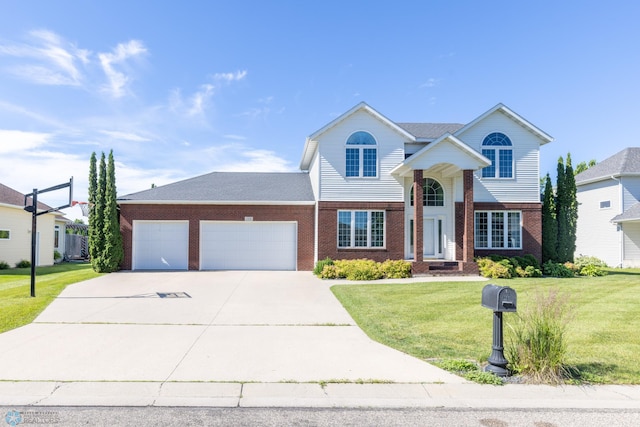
[[227, 245], [160, 245]]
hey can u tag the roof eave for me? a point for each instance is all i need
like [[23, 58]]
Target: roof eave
[[217, 202]]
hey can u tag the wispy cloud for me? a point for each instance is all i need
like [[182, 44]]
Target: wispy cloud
[[235, 137], [431, 82], [200, 99], [127, 136], [230, 77], [112, 61], [55, 61], [14, 141]]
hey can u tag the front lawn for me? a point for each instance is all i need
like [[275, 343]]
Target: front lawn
[[444, 320], [18, 308]]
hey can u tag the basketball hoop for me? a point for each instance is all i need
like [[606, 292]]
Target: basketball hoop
[[84, 207]]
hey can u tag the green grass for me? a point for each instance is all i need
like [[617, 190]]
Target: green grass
[[18, 308], [440, 320]]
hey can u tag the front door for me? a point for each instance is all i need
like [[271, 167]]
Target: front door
[[433, 237]]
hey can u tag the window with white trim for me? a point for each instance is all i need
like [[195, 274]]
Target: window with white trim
[[361, 229], [361, 156], [605, 204], [5, 234], [498, 230], [432, 193], [497, 148]]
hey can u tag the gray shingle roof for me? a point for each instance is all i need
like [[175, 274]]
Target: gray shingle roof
[[633, 213], [9, 196], [625, 162], [430, 130], [232, 187]]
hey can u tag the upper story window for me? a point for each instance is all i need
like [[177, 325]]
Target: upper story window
[[432, 193], [5, 234], [362, 155], [497, 148], [605, 204]]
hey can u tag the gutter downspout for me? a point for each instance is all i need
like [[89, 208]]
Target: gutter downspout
[[619, 226]]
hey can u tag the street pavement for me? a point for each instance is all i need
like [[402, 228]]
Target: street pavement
[[236, 339]]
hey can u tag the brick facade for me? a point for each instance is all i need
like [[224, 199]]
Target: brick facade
[[328, 231], [303, 214], [531, 229]]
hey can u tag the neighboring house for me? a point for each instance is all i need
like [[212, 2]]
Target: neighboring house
[[478, 185], [59, 232], [608, 195], [15, 230]]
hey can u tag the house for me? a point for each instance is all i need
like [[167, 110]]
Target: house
[[354, 198], [15, 230], [608, 196]]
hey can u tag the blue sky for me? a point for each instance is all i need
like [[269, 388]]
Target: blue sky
[[179, 89]]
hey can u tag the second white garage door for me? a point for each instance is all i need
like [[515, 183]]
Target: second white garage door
[[249, 245]]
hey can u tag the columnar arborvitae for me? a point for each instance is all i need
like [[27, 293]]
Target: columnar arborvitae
[[112, 254], [94, 231], [572, 208], [105, 245], [549, 223], [562, 214]]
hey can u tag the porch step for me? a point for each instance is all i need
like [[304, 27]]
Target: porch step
[[443, 265]]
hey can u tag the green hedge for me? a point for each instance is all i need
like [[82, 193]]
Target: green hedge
[[362, 269]]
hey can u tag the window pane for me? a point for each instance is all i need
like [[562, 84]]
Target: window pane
[[497, 229], [344, 229], [361, 229], [5, 234], [377, 229], [515, 232], [361, 138], [482, 229], [433, 193], [369, 162], [353, 162], [506, 164], [489, 171]]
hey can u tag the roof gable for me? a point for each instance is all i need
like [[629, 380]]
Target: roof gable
[[9, 196], [423, 159], [625, 162], [311, 144], [543, 136]]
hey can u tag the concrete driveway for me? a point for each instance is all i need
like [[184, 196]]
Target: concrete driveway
[[226, 326]]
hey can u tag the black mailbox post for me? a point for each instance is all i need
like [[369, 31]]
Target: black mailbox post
[[499, 299]]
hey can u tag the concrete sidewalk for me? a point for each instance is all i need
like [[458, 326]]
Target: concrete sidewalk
[[228, 339], [230, 395]]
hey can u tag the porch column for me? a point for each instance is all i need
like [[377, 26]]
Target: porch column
[[418, 235], [468, 239]]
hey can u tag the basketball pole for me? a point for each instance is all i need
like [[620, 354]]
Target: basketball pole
[[34, 221]]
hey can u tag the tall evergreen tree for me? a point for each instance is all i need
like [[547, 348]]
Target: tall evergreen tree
[[562, 214], [113, 253], [572, 208], [549, 223], [94, 231], [97, 224]]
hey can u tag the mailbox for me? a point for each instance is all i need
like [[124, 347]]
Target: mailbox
[[499, 298]]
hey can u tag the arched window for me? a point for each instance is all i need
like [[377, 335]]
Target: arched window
[[361, 155], [497, 147], [432, 193]]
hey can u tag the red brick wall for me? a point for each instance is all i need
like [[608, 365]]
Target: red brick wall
[[304, 215], [328, 231], [531, 229]]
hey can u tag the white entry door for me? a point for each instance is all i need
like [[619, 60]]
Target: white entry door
[[432, 237]]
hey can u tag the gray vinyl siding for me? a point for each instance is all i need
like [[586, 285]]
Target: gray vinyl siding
[[631, 191], [524, 187], [336, 187], [631, 244], [596, 235]]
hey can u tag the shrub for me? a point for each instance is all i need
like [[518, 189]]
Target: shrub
[[329, 272], [57, 255], [502, 269], [536, 345], [528, 271], [481, 377], [583, 260], [23, 264], [398, 269], [4, 265], [321, 264], [556, 269], [358, 269], [592, 270]]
